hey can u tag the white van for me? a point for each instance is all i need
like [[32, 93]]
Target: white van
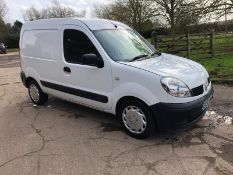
[[108, 66]]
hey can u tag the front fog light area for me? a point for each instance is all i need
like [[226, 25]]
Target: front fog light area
[[175, 87]]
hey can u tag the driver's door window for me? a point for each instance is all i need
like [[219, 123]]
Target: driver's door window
[[76, 44]]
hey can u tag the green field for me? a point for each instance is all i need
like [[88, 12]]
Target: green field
[[219, 67]]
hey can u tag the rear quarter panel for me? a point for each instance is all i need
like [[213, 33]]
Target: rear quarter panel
[[39, 52]]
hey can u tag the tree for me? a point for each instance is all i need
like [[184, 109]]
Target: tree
[[16, 27], [221, 7], [3, 9], [135, 13], [174, 13], [56, 10], [13, 34], [9, 34], [3, 26], [181, 12]]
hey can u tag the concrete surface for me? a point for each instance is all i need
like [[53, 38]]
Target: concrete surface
[[9, 60], [62, 138]]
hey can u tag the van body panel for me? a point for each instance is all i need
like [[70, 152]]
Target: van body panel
[[95, 24], [91, 24], [40, 53], [174, 66], [132, 84]]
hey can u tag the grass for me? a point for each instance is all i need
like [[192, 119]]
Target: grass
[[12, 50], [219, 67]]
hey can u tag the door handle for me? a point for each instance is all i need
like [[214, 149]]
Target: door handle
[[67, 70]]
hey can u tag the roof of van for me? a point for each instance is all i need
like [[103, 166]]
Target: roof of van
[[92, 24]]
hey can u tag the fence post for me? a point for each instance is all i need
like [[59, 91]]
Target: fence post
[[154, 39], [212, 43], [188, 45]]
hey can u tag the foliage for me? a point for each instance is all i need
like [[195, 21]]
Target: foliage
[[9, 34], [206, 27], [176, 13], [3, 9], [56, 10], [159, 31], [135, 13], [180, 13], [221, 7]]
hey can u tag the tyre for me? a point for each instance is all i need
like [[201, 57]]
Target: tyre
[[136, 118], [37, 96]]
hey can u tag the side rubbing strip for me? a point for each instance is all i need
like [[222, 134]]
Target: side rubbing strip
[[77, 92]]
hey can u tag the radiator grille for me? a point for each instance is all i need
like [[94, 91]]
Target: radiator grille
[[197, 90]]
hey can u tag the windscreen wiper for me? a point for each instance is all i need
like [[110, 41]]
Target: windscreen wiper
[[156, 53], [138, 57]]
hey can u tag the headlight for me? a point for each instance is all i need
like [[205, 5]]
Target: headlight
[[175, 87]]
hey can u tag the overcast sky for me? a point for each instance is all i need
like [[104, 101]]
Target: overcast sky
[[16, 7]]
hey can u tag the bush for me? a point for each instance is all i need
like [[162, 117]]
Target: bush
[[12, 41], [9, 34], [206, 27], [159, 31]]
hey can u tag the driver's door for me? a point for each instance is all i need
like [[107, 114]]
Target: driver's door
[[85, 84]]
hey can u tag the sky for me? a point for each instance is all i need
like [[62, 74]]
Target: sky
[[17, 7]]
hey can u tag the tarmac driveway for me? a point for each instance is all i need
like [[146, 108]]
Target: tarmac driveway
[[62, 138]]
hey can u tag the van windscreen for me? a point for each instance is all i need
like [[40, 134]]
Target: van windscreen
[[123, 45]]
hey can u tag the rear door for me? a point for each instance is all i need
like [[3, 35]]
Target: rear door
[[85, 84]]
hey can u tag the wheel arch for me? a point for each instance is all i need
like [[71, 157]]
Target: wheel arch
[[129, 90], [31, 74], [126, 98], [28, 80]]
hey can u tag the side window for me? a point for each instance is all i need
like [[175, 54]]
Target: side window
[[76, 44]]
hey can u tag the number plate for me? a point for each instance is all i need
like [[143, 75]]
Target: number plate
[[206, 104]]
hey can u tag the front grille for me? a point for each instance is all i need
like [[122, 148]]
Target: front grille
[[197, 90]]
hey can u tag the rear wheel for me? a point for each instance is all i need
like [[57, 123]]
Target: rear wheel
[[136, 119], [36, 94]]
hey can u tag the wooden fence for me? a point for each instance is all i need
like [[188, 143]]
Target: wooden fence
[[194, 45]]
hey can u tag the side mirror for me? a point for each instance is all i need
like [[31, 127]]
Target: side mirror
[[92, 60]]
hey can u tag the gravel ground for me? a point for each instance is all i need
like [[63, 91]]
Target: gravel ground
[[223, 99], [65, 138]]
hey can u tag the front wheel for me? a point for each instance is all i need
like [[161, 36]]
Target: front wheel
[[36, 94], [136, 119]]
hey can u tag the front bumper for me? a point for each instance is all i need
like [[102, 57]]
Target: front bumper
[[172, 116]]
